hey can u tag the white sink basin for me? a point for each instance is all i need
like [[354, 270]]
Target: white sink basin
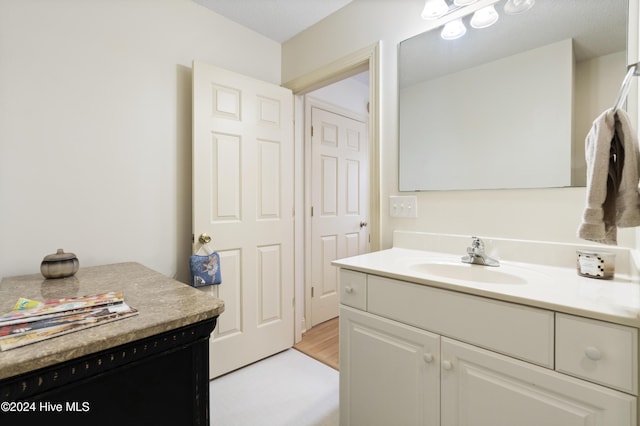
[[473, 273]]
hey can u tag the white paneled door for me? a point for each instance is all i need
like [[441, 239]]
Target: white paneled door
[[243, 198], [340, 203]]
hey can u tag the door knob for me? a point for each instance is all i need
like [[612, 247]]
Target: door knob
[[363, 224], [204, 239]]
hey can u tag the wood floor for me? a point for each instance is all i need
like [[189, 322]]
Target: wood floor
[[321, 343]]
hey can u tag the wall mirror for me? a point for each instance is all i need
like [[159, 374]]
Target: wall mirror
[[509, 106]]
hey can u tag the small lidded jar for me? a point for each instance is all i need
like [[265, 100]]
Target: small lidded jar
[[59, 265], [596, 265]]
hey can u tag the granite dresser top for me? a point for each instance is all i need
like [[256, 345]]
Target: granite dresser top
[[163, 304]]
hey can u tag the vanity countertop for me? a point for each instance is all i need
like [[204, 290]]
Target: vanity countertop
[[550, 287], [163, 304]]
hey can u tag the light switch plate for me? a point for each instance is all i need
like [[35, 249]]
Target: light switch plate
[[403, 206]]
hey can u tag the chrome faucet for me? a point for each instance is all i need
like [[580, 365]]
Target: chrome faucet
[[476, 254]]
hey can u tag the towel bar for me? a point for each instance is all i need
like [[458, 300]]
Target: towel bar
[[632, 71]]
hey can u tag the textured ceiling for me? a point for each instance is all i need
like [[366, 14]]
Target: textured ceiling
[[278, 20]]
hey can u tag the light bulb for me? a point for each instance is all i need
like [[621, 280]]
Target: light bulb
[[433, 9], [453, 30], [513, 7], [484, 17], [463, 2]]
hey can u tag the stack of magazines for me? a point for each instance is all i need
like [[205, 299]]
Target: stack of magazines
[[31, 321]]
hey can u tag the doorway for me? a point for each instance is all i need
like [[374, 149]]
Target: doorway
[[364, 60]]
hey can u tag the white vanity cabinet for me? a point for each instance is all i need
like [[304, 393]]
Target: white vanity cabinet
[[411, 354]]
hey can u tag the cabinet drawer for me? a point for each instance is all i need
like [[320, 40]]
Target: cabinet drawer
[[515, 330], [597, 351], [353, 289]]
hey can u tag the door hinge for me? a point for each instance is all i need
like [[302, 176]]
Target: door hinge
[[311, 131], [312, 291], [311, 211]]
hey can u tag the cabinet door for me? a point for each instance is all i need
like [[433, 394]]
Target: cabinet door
[[482, 388], [389, 372]]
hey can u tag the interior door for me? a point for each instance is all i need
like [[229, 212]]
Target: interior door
[[243, 198], [340, 203]]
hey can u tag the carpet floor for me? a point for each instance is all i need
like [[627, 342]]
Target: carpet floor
[[286, 389]]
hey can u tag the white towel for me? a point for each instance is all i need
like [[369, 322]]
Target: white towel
[[621, 208]]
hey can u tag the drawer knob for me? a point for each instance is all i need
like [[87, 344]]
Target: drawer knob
[[428, 357], [593, 353], [348, 289], [447, 365]]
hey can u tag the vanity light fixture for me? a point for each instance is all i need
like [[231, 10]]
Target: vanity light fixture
[[434, 9], [461, 3], [484, 17], [453, 30], [514, 7]]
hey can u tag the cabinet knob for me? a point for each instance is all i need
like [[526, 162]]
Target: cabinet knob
[[348, 289], [593, 353], [428, 357], [447, 365]]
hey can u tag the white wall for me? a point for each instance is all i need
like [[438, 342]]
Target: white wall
[[95, 126], [540, 214]]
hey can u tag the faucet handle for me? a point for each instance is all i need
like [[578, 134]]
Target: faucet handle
[[477, 255], [477, 243]]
